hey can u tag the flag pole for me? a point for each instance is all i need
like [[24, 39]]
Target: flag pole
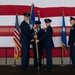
[[43, 50], [62, 55], [70, 61], [37, 48], [6, 57], [38, 15], [14, 65], [37, 51], [62, 50], [15, 46], [31, 11], [35, 34]]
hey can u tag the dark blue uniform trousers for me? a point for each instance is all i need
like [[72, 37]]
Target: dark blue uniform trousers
[[72, 54], [25, 55], [49, 57]]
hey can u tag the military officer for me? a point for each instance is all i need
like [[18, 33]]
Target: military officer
[[71, 41], [39, 32], [26, 35], [47, 43]]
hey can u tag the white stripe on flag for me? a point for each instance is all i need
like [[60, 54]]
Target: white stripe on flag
[[10, 21], [7, 41], [42, 4]]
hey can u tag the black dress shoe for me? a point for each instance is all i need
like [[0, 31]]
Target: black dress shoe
[[73, 66], [36, 67], [48, 69], [40, 65], [26, 68]]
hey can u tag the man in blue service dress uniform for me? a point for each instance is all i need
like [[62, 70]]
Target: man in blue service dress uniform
[[39, 32], [26, 35], [47, 43], [71, 41]]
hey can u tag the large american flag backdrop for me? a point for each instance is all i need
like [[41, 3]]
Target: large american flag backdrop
[[48, 9]]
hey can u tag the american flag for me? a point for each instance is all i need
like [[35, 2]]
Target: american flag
[[17, 51], [48, 9]]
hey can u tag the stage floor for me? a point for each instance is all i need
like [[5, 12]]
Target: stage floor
[[57, 69]]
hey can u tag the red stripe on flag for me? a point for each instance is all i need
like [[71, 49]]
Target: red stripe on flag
[[16, 38], [15, 31], [44, 12], [56, 52], [9, 31], [17, 35]]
